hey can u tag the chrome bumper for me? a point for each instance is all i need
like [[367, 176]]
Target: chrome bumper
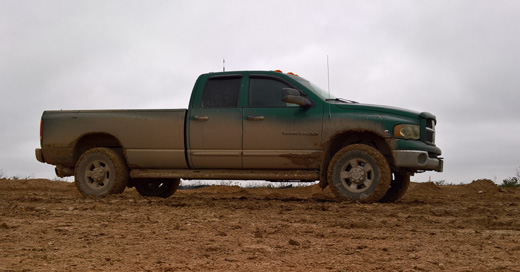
[[417, 160]]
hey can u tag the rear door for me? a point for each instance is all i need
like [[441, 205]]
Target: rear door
[[215, 124], [279, 135]]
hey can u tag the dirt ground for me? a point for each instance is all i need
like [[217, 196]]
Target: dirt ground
[[48, 226]]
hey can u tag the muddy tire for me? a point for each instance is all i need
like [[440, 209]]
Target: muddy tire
[[101, 171], [398, 187], [359, 173], [157, 187]]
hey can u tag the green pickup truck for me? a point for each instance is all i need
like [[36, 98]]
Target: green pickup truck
[[244, 125]]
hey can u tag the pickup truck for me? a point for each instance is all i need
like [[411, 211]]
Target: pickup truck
[[244, 125]]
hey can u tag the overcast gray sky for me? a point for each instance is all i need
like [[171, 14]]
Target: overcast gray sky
[[459, 60]]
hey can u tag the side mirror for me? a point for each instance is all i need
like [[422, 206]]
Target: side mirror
[[293, 96]]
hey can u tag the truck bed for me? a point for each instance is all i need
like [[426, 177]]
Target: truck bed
[[149, 138]]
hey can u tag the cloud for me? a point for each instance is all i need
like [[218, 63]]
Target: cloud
[[456, 59]]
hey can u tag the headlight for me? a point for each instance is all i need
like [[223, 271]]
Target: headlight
[[407, 132]]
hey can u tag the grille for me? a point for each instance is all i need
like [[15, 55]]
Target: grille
[[430, 131]]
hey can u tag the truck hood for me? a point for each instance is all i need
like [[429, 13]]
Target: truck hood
[[384, 109]]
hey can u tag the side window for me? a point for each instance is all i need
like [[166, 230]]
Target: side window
[[267, 92], [221, 92]]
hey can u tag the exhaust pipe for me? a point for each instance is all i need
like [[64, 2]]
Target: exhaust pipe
[[63, 171]]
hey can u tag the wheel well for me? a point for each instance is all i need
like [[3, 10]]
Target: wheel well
[[346, 138], [92, 140]]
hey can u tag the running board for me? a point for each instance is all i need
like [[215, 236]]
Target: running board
[[274, 175]]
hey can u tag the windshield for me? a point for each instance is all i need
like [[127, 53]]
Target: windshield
[[315, 88]]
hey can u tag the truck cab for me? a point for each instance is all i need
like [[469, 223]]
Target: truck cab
[[239, 120]]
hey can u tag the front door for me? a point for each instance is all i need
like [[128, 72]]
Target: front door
[[279, 135]]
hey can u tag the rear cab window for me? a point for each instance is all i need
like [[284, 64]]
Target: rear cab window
[[222, 92]]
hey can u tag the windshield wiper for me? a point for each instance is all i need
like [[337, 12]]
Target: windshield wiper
[[342, 100]]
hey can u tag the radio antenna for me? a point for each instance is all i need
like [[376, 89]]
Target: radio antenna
[[328, 76], [328, 84], [223, 64]]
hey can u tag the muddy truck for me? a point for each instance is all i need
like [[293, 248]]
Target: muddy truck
[[244, 125]]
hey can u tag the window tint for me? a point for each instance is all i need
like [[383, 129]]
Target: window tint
[[221, 92], [267, 92]]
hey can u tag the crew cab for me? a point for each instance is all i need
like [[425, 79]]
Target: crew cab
[[244, 125]]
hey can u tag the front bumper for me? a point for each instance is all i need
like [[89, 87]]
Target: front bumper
[[417, 160]]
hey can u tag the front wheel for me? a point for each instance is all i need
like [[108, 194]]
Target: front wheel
[[359, 173], [157, 187], [101, 171]]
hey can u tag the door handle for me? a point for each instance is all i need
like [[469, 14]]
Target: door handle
[[200, 118], [255, 118]]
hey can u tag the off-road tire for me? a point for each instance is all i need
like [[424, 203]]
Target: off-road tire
[[157, 187], [359, 173], [398, 187], [101, 171]]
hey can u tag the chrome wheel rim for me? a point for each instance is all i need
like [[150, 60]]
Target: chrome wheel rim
[[97, 175], [357, 175]]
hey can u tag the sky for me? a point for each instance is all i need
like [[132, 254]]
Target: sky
[[459, 60]]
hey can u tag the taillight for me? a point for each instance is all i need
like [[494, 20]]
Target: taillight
[[41, 131]]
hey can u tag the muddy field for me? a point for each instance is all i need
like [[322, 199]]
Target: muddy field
[[48, 226]]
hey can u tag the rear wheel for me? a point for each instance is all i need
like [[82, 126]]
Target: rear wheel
[[157, 187], [398, 188], [101, 171], [359, 173]]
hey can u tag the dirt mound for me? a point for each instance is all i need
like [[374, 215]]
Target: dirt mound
[[35, 184], [424, 188], [483, 185]]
